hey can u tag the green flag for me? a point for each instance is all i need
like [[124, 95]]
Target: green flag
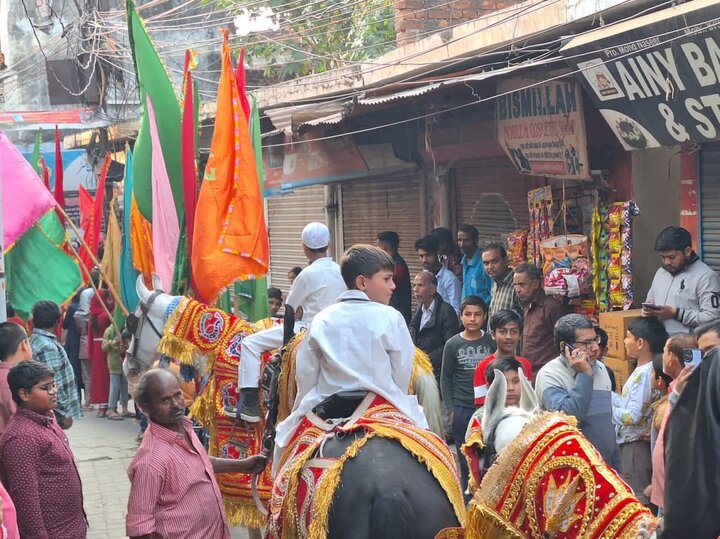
[[35, 156], [153, 80], [37, 269]]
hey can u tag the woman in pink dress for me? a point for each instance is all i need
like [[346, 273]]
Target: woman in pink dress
[[99, 322]]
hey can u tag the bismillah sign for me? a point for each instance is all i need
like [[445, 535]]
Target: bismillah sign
[[541, 127], [655, 79]]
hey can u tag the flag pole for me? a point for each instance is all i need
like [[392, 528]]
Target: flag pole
[[111, 288]]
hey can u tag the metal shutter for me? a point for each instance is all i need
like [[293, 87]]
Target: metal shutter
[[287, 216], [491, 195], [710, 204], [370, 206]]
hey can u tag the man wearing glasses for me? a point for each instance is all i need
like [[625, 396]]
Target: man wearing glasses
[[577, 384], [36, 464]]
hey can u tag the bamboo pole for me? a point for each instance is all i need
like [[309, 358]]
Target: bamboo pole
[[94, 287], [111, 288]]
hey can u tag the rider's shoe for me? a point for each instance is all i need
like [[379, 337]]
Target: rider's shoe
[[250, 409]]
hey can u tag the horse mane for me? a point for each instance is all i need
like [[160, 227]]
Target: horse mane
[[428, 395]]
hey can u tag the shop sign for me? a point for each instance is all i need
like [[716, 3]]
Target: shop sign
[[657, 84], [310, 162], [541, 127]]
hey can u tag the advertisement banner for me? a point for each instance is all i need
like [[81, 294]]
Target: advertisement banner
[[655, 79], [542, 128]]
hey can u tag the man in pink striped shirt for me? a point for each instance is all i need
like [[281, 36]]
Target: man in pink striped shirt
[[174, 493]]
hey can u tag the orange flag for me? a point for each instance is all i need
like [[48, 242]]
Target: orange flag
[[230, 240]]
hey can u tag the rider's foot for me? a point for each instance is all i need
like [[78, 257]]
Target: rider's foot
[[250, 409]]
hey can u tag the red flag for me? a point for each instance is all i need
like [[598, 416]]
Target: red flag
[[188, 154], [92, 232], [240, 79], [59, 188], [86, 204]]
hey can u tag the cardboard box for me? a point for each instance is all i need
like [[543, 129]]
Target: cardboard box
[[616, 324], [622, 369]]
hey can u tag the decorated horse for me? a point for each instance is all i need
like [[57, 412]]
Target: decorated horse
[[536, 476], [206, 341]]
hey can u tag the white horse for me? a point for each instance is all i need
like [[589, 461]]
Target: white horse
[[154, 309]]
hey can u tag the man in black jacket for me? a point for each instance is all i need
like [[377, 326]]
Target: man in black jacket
[[434, 321]]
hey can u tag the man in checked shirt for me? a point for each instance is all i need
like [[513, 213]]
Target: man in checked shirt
[[173, 491]]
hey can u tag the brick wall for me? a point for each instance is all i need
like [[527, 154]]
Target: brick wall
[[416, 19]]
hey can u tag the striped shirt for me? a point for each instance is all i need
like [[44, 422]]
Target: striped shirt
[[504, 296], [173, 489], [47, 350]]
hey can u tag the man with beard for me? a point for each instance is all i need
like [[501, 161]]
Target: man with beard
[[173, 490], [685, 292]]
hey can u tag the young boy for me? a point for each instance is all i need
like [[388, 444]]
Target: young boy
[[115, 346], [36, 463], [359, 343], [603, 336], [462, 353], [506, 330], [632, 411], [275, 300], [14, 347]]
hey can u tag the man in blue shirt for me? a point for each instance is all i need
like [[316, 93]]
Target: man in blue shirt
[[476, 281]]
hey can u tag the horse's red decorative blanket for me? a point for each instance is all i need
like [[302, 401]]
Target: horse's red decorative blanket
[[305, 485], [194, 330]]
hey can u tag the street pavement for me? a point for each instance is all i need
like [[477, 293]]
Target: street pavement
[[103, 451]]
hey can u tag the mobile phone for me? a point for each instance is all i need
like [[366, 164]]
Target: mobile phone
[[650, 306], [571, 347], [692, 355]]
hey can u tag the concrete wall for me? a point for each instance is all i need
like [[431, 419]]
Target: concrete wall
[[656, 190], [416, 19]]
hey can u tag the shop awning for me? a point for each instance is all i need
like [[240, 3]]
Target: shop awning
[[655, 78], [371, 101]]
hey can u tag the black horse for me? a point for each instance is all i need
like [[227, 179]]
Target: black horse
[[384, 492]]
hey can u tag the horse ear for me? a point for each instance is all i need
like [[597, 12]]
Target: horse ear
[[141, 289], [494, 403], [528, 398], [157, 282]]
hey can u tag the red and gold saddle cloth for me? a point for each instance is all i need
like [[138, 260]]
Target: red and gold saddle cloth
[[551, 482], [194, 334], [305, 485]]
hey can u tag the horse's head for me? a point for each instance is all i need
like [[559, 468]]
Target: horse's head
[[500, 423], [146, 324]]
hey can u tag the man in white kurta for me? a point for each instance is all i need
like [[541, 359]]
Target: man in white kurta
[[353, 345], [316, 287]]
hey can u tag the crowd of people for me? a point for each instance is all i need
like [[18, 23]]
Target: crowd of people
[[476, 318]]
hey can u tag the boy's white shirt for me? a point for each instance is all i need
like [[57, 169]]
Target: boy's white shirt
[[355, 344]]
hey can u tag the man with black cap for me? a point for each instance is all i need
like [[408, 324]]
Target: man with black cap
[[316, 287]]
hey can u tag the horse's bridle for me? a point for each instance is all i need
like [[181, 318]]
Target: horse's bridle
[[134, 323], [489, 453]]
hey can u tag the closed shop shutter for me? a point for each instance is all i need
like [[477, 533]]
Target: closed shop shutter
[[370, 206], [491, 195], [710, 205], [287, 216]]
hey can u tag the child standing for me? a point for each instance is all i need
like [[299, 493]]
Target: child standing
[[461, 355], [632, 411], [115, 346], [506, 330], [359, 343]]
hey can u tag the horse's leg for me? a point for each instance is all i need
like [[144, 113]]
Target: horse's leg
[[385, 493]]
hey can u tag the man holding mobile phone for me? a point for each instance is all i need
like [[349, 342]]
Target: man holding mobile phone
[[577, 384], [685, 292]]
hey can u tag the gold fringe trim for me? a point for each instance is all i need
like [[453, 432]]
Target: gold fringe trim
[[421, 364], [320, 523], [451, 533], [178, 349], [241, 512], [484, 522], [287, 376]]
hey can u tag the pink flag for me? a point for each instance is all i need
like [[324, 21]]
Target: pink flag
[[24, 197], [165, 227]]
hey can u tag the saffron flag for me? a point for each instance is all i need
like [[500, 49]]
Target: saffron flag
[[128, 274], [24, 198], [153, 81], [165, 226], [59, 175], [141, 243], [110, 263], [230, 238]]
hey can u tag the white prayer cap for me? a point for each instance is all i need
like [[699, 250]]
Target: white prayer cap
[[315, 235]]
